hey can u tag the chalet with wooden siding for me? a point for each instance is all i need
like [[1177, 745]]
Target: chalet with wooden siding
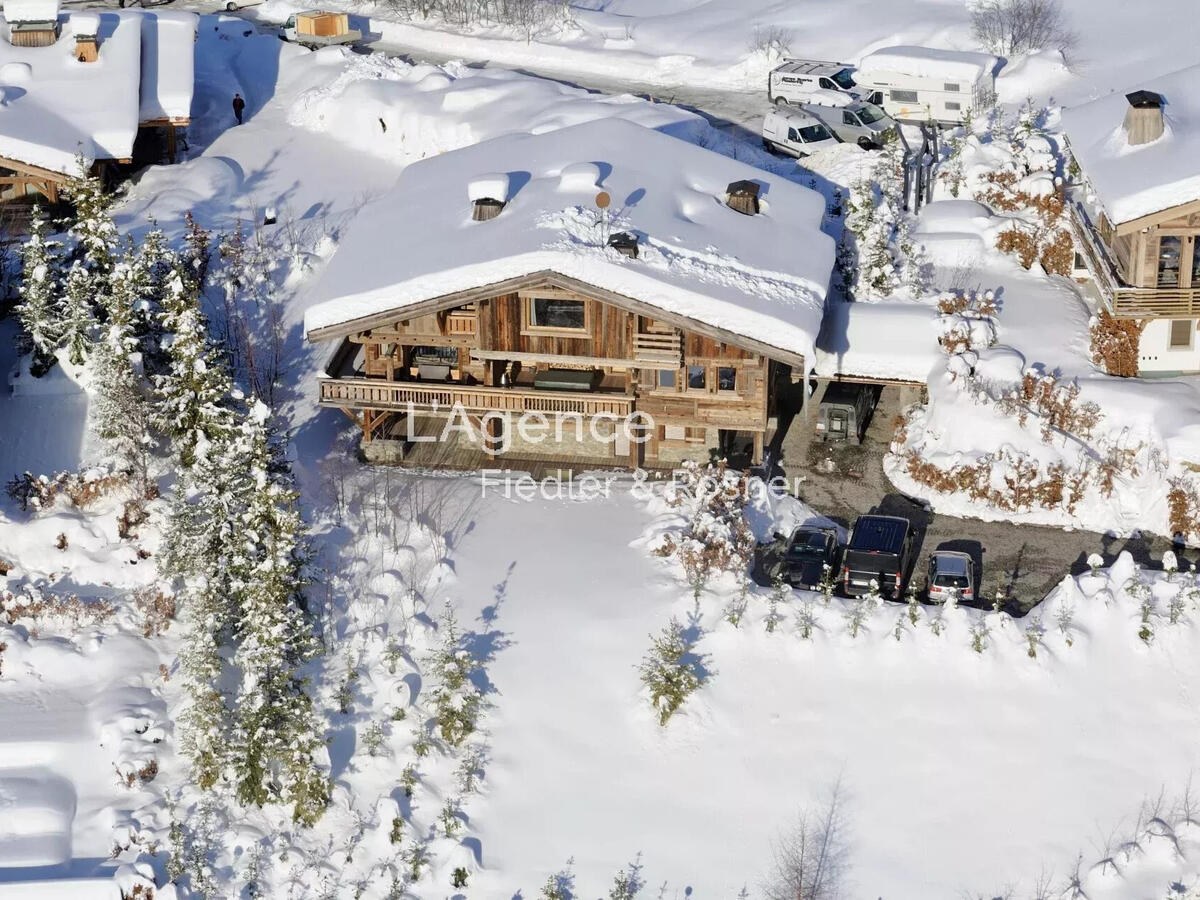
[[83, 85], [1136, 211], [636, 293]]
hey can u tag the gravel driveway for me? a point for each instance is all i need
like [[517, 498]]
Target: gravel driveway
[[844, 481]]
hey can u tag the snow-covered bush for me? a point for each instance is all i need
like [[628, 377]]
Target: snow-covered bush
[[456, 699], [715, 537], [671, 670]]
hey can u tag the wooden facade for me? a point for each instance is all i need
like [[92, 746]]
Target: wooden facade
[[1145, 268], [551, 345]]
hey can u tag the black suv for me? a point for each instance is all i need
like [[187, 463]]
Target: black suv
[[807, 552], [880, 550]]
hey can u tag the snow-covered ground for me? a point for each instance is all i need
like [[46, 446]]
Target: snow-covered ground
[[968, 764]]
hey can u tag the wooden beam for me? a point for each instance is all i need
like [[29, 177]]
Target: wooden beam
[[565, 282], [1147, 221], [562, 359]]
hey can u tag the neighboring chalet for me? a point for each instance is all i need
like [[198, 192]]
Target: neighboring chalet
[[1136, 214], [81, 85], [595, 273]]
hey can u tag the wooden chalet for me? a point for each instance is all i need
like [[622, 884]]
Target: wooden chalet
[[1135, 213], [589, 344]]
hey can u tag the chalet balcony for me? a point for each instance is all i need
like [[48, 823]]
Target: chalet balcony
[[1120, 298], [402, 396]]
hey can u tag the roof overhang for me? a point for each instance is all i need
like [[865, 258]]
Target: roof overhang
[[551, 278]]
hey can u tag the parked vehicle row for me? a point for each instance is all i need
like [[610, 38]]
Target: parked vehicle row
[[818, 102], [879, 553]]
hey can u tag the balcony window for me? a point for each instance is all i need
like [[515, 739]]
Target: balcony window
[[726, 378], [1169, 247], [697, 377], [556, 314], [1181, 334]]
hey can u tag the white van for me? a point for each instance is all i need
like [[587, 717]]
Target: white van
[[921, 84], [795, 132], [796, 80]]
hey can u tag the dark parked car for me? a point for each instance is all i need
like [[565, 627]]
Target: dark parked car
[[880, 550], [808, 551]]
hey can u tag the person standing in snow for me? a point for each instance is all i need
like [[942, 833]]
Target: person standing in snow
[[238, 105]]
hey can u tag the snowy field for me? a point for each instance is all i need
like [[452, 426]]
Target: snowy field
[[977, 755]]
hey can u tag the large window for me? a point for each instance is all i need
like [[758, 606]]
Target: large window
[[697, 377], [726, 378], [1181, 334], [556, 314], [1169, 247], [903, 96]]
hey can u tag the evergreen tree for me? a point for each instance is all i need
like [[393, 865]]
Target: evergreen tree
[[277, 734], [76, 315], [38, 310], [192, 391], [91, 227]]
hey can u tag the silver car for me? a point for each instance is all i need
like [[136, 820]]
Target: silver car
[[859, 123], [951, 574]]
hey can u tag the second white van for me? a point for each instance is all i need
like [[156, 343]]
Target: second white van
[[795, 132]]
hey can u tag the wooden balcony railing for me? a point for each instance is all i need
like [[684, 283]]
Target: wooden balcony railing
[[371, 393], [658, 347], [1122, 300]]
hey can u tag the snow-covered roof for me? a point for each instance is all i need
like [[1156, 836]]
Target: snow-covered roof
[[928, 62], [896, 341], [53, 107], [30, 10], [763, 277], [168, 64], [1132, 182]]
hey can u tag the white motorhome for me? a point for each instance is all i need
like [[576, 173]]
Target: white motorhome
[[921, 84], [796, 80]]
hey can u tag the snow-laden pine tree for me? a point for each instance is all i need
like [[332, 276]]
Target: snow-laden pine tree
[[38, 311], [277, 734], [193, 390], [79, 288], [121, 407], [91, 226]]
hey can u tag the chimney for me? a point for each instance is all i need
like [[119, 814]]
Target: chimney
[[1144, 118], [488, 195], [742, 196], [625, 243], [86, 26], [31, 23]]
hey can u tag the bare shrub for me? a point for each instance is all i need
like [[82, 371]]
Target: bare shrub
[[156, 608], [1009, 27], [1183, 506], [1115, 343], [37, 604], [39, 492], [812, 858], [770, 41]]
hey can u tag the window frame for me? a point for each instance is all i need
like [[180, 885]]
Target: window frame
[[730, 391], [687, 378], [899, 95], [529, 328], [1191, 331]]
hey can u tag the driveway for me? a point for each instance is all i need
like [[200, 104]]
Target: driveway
[[1025, 561]]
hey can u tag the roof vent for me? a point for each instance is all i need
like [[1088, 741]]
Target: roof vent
[[742, 196], [488, 194], [625, 243], [1144, 118]]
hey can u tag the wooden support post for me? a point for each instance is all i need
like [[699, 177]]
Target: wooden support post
[[367, 424], [757, 457], [170, 142], [491, 435]]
